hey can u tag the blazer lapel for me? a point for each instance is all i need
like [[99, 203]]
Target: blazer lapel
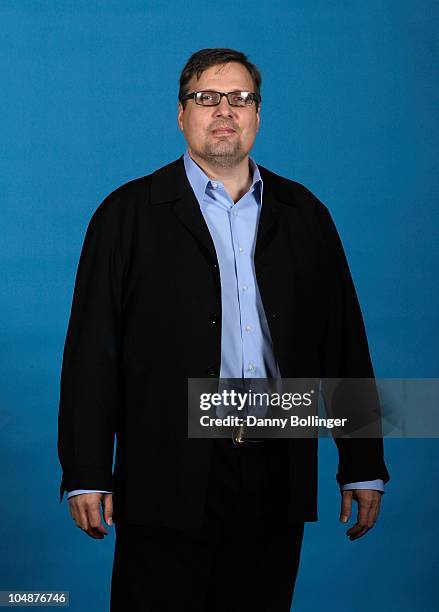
[[269, 216], [171, 184], [273, 197]]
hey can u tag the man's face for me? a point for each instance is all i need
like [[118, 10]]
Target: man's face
[[201, 125]]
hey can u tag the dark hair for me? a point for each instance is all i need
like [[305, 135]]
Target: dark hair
[[205, 58]]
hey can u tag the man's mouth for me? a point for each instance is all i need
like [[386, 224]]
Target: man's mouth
[[223, 131]]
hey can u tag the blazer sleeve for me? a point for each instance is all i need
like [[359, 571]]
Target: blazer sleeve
[[89, 389], [346, 356]]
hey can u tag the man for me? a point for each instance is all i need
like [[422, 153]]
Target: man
[[211, 266]]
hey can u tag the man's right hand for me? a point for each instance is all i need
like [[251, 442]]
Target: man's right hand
[[85, 511]]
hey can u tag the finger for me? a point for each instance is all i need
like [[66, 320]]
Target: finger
[[373, 505], [359, 533], [361, 525], [346, 506], [95, 527], [365, 518], [71, 509], [81, 517], [107, 504], [373, 513]]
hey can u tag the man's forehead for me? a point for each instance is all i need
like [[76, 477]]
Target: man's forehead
[[234, 74]]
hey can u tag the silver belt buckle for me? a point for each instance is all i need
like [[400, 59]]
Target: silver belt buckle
[[238, 435], [239, 440]]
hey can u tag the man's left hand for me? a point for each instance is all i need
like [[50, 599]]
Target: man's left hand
[[368, 501]]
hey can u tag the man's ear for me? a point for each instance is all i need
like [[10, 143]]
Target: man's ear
[[259, 115], [180, 111]]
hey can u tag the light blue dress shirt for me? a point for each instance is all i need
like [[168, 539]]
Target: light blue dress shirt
[[246, 345]]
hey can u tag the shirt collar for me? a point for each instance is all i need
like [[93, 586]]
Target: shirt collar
[[199, 180]]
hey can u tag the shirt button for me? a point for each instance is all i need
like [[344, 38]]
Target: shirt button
[[240, 249], [251, 367], [248, 327], [244, 287], [234, 213], [214, 185]]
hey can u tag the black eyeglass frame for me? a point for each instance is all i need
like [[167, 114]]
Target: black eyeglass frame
[[254, 97]]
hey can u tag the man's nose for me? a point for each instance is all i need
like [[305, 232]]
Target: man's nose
[[223, 109]]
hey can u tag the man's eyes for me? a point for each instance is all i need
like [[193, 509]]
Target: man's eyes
[[212, 98], [207, 96]]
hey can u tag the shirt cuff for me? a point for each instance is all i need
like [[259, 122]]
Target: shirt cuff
[[376, 485], [82, 491]]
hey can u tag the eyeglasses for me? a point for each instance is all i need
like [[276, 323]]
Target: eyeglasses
[[213, 98]]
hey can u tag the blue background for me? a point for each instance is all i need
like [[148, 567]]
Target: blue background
[[88, 101]]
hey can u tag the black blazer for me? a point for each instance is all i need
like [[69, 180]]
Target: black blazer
[[146, 288]]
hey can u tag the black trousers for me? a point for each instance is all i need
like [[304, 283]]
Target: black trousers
[[244, 557]]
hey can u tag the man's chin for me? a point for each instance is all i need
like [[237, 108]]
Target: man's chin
[[226, 156]]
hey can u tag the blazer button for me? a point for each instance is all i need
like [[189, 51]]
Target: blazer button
[[212, 372], [213, 319]]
